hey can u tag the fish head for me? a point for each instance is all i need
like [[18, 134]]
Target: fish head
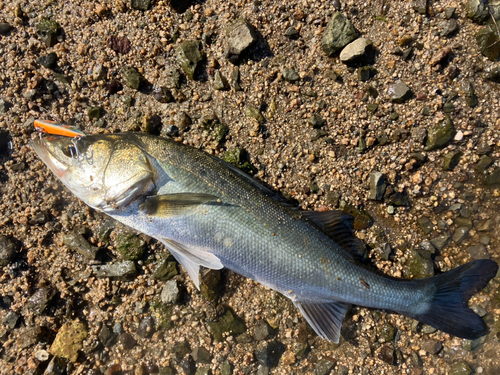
[[107, 172]]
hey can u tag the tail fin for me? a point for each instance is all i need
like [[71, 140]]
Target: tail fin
[[448, 310]]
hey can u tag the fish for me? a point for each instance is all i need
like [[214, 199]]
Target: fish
[[210, 214]]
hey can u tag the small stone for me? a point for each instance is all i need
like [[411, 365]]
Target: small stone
[[338, 33], [488, 42], [262, 330], [470, 94], [235, 79], [386, 332], [292, 33], [69, 340], [129, 244], [163, 95], [478, 252], [493, 74], [140, 4], [484, 240], [240, 36], [484, 163], [132, 77], [220, 82], [355, 50], [10, 320], [270, 353], [227, 324], [150, 124], [450, 27], [440, 242], [183, 121], [460, 368], [118, 329], [323, 367], [189, 56], [254, 113], [48, 61], [493, 178], [399, 92], [431, 346], [419, 265], [120, 270], [49, 32], [210, 284], [377, 186], [56, 366], [99, 72], [170, 292], [451, 160], [94, 113], [146, 327], [226, 368], [460, 234], [440, 56], [107, 337], [40, 300], [421, 6], [290, 75], [127, 341], [9, 249], [441, 135], [201, 355], [119, 44], [5, 28], [42, 355], [365, 73], [478, 10], [388, 355], [316, 121]]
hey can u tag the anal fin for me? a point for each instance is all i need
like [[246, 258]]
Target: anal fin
[[191, 258], [325, 318]]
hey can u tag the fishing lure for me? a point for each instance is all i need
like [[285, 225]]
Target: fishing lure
[[53, 128], [50, 127]]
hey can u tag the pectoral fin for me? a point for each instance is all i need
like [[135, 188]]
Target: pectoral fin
[[174, 204], [325, 318], [191, 258], [337, 225]]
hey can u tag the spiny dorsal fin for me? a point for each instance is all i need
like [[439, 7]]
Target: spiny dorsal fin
[[325, 318], [174, 204], [337, 225]]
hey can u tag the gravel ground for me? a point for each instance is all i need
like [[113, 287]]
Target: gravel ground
[[315, 138]]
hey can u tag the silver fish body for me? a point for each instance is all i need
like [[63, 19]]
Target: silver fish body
[[208, 213]]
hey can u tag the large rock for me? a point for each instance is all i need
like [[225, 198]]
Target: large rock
[[339, 33], [240, 36]]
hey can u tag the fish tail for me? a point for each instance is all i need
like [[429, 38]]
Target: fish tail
[[447, 310]]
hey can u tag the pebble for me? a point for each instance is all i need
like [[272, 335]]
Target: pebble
[[290, 75], [450, 27], [478, 252], [377, 186], [9, 250], [440, 135], [201, 355], [227, 324], [48, 61], [262, 330], [269, 353], [323, 367], [431, 346], [163, 95], [107, 337], [355, 50], [440, 242], [146, 327], [5, 28], [170, 292], [338, 33], [240, 36], [460, 234], [121, 270], [132, 77], [189, 56], [399, 92], [460, 368], [69, 340]]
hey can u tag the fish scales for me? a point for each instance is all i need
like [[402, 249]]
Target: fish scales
[[209, 213]]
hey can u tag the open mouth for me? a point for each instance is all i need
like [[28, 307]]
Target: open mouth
[[55, 165]]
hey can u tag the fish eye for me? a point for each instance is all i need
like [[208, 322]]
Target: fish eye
[[70, 151]]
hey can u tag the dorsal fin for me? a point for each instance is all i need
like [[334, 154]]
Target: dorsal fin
[[338, 226]]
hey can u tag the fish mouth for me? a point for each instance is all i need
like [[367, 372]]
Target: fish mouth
[[57, 166]]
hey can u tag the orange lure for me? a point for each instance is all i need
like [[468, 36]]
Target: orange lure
[[50, 127]]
